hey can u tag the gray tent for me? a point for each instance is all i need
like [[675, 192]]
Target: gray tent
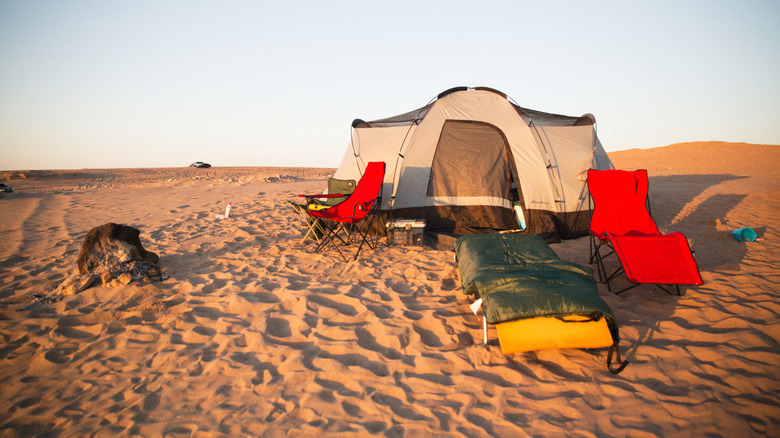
[[470, 159]]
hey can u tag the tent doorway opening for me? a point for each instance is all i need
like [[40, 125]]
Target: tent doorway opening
[[472, 182]]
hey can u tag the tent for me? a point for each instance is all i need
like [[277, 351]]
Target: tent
[[470, 160]]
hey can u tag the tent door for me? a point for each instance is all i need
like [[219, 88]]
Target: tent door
[[471, 171]]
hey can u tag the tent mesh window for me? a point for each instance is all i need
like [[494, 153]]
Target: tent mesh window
[[472, 160], [468, 157]]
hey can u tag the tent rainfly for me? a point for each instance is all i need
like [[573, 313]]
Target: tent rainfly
[[471, 160]]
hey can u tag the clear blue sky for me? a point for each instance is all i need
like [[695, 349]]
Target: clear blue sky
[[93, 84]]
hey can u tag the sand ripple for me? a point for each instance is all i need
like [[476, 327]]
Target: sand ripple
[[253, 335]]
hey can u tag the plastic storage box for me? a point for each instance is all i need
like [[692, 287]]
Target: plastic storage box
[[405, 231]]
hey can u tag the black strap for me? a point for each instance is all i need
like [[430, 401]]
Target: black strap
[[591, 317], [615, 348]]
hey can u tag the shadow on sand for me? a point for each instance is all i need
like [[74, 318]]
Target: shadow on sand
[[671, 194], [677, 206]]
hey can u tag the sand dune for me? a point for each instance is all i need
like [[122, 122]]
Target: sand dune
[[253, 335]]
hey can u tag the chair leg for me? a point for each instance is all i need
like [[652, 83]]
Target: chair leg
[[364, 235], [346, 234], [595, 256], [314, 229], [600, 258], [366, 232], [676, 287], [330, 240], [628, 288], [592, 253], [354, 234], [484, 330], [602, 270]]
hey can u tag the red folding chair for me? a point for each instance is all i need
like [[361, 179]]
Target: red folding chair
[[338, 191], [343, 223], [621, 224]]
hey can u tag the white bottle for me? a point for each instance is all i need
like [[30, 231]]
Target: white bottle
[[227, 210]]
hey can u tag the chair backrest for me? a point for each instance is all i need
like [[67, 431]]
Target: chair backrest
[[341, 186], [367, 190], [620, 203], [338, 186]]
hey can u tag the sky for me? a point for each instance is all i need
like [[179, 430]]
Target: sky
[[122, 84]]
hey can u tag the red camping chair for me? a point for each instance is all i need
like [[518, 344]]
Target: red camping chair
[[341, 220], [338, 191], [621, 224]]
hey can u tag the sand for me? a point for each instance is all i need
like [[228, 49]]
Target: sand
[[253, 335]]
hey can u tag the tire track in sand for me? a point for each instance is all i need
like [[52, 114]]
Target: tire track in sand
[[45, 227], [12, 222]]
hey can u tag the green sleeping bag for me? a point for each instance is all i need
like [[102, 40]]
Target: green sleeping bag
[[518, 276]]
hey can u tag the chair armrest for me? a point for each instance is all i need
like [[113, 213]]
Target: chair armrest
[[310, 199], [362, 206], [330, 195]]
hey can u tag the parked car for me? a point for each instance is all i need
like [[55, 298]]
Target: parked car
[[4, 188], [200, 165]]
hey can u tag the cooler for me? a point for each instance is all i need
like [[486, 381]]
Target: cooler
[[405, 231]]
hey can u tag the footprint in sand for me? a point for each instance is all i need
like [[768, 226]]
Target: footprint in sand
[[72, 333], [381, 312], [207, 312], [351, 360], [205, 331], [344, 309], [57, 356], [399, 407], [448, 284], [412, 315], [367, 341], [427, 337], [278, 327], [311, 320], [260, 297], [350, 409]]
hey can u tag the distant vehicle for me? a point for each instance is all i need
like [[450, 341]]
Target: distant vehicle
[[4, 188], [200, 165]]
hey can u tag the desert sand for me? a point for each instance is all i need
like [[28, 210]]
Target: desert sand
[[253, 335]]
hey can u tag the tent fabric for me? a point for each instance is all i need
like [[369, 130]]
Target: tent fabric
[[452, 160]]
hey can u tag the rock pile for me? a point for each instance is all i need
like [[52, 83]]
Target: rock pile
[[112, 255]]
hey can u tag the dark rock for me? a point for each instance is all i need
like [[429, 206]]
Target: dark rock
[[112, 247], [112, 255]]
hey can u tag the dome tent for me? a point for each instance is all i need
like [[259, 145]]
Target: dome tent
[[464, 160]]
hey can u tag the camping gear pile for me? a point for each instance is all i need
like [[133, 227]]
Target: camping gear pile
[[472, 162]]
